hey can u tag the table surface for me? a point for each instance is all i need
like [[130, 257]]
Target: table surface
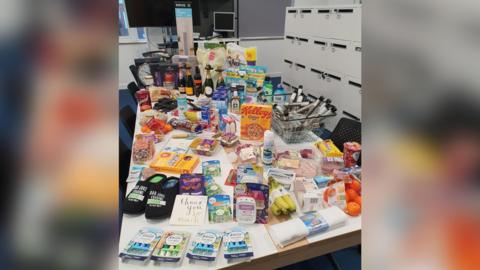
[[266, 254]]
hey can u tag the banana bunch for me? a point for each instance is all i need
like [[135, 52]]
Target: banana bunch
[[280, 200]]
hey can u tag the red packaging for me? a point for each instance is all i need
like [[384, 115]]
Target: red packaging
[[351, 153], [143, 98]]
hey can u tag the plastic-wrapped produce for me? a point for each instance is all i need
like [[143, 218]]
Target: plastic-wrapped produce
[[143, 149]]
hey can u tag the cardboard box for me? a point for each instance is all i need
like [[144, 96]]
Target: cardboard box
[[255, 119]]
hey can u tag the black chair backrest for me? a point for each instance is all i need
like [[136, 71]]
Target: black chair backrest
[[124, 164], [132, 89], [347, 130], [134, 71], [127, 116]]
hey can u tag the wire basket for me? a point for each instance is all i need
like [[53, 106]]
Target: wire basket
[[297, 130]]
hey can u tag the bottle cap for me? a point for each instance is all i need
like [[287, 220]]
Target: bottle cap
[[268, 135]]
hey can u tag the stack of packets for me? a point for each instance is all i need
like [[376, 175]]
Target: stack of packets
[[142, 244], [237, 243], [205, 245], [295, 229], [171, 247]]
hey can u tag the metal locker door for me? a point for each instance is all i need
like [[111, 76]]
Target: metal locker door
[[346, 23], [339, 59], [291, 19], [321, 26]]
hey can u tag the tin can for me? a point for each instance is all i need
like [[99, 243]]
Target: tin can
[[143, 98], [351, 153]]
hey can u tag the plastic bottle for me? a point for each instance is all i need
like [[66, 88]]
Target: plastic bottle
[[268, 147], [235, 103], [268, 89], [279, 97]]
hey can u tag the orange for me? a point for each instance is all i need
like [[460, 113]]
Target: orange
[[353, 209], [356, 185], [350, 195], [329, 192], [145, 129], [358, 200]]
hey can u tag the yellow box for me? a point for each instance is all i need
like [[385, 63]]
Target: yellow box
[[328, 148], [172, 162], [255, 119]]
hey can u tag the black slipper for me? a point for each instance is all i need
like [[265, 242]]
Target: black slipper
[[160, 198], [135, 201]]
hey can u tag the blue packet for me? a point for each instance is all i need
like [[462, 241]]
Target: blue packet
[[237, 243], [219, 209]]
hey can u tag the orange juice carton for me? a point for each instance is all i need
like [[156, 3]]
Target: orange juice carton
[[255, 119]]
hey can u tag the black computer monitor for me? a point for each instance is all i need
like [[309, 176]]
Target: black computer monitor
[[224, 21], [156, 13]]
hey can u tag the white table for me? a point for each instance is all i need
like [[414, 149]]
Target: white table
[[266, 254]]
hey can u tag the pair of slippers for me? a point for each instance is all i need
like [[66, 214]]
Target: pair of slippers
[[155, 196]]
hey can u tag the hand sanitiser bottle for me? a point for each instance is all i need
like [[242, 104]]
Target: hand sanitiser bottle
[[268, 147], [279, 95]]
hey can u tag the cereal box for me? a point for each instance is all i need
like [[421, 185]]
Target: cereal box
[[255, 119]]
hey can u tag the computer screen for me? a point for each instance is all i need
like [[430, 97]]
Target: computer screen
[[156, 13], [224, 21]]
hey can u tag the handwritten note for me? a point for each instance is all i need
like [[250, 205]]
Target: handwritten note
[[189, 210]]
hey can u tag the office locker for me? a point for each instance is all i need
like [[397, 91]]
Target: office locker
[[318, 53], [300, 72], [351, 96], [339, 56], [301, 50], [356, 55], [321, 22], [346, 23], [289, 45], [316, 78], [291, 19], [288, 70], [333, 86], [305, 21]]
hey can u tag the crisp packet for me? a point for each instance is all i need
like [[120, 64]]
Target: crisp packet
[[192, 184], [231, 178], [248, 173], [211, 187], [142, 244], [219, 209], [211, 168], [135, 173], [237, 243]]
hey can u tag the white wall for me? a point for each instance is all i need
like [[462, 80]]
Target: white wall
[[126, 53], [269, 53]]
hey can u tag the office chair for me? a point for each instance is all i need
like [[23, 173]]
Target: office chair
[[127, 117], [132, 89], [134, 71], [346, 130]]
